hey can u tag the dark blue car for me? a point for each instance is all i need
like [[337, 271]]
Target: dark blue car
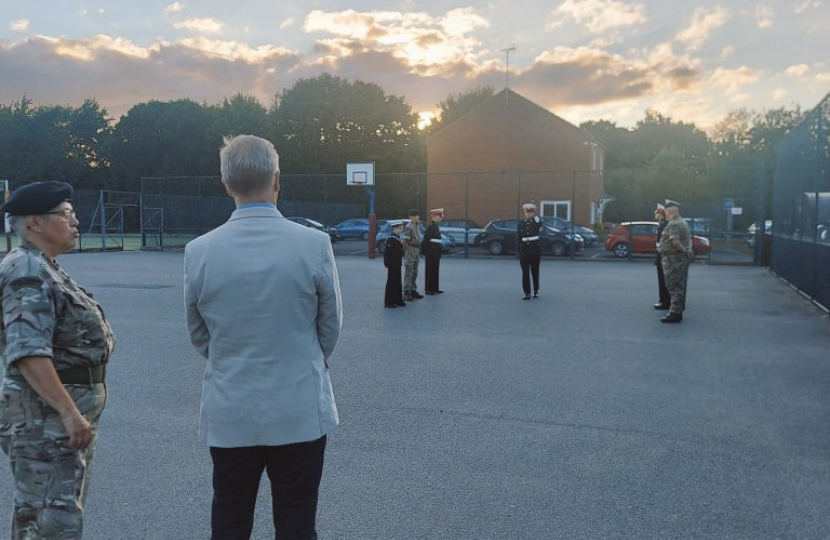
[[357, 228]]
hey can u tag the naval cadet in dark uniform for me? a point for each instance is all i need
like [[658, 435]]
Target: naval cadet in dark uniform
[[392, 259], [431, 248], [530, 250], [55, 344], [664, 298]]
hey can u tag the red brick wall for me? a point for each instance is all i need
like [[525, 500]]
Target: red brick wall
[[511, 137]]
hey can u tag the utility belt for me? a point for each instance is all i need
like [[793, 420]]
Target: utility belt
[[75, 375], [530, 239]]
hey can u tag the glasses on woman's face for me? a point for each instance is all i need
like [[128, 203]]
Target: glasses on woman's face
[[66, 215]]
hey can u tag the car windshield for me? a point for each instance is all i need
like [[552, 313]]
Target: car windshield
[[314, 223]]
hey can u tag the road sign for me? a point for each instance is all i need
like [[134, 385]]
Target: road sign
[[737, 211], [728, 203]]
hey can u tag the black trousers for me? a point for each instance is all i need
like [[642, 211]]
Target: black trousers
[[294, 471], [433, 265], [665, 299], [529, 260], [394, 289]]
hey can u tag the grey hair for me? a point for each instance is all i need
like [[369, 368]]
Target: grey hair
[[249, 164], [19, 227]]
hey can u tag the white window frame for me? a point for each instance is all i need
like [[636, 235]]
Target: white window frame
[[555, 204]]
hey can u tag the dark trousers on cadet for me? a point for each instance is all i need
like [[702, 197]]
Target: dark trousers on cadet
[[294, 471], [433, 264], [394, 291], [665, 299], [529, 257]]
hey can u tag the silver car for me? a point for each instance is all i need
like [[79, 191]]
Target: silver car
[[463, 231]]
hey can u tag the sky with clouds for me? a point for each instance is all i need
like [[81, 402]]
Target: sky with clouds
[[582, 59]]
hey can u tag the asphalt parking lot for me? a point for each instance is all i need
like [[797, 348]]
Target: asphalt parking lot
[[476, 415]]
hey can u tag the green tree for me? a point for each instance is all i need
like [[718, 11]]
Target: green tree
[[176, 138], [53, 143], [325, 122], [241, 115]]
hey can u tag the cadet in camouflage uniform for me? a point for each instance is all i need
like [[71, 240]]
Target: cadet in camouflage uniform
[[55, 343], [411, 240], [675, 248]]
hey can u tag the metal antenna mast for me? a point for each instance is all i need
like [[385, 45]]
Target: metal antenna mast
[[507, 52]]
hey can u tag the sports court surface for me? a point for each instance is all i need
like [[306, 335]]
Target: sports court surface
[[475, 415]]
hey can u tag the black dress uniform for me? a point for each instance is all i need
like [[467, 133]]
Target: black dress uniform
[[392, 258], [431, 248], [530, 253], [665, 299]]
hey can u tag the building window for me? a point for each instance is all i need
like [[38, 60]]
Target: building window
[[560, 209]]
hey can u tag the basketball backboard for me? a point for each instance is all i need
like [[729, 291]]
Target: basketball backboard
[[360, 174]]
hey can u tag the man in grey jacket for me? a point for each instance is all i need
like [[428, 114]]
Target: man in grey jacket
[[263, 307]]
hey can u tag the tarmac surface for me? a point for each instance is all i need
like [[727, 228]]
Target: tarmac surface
[[476, 415]]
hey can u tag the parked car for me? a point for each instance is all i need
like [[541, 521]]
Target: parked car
[[357, 228], [333, 233], [701, 226], [447, 242], [566, 226], [641, 237], [752, 232], [500, 236], [462, 231]]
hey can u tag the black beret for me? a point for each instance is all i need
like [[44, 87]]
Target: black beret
[[37, 198], [414, 212]]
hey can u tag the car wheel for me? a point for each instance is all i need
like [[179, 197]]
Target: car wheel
[[558, 249], [382, 246], [495, 248], [365, 235], [621, 250]]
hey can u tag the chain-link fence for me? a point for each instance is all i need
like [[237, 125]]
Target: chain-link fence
[[801, 207], [613, 210]]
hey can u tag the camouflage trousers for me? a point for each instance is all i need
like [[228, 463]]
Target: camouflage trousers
[[676, 273], [412, 257], [51, 479]]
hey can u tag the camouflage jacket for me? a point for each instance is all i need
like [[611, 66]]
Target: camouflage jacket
[[411, 237], [45, 313], [676, 229]]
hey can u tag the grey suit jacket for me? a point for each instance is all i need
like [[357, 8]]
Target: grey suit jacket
[[263, 306]]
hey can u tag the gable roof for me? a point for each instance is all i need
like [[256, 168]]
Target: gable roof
[[506, 98]]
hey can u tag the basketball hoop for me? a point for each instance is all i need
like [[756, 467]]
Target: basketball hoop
[[360, 174]]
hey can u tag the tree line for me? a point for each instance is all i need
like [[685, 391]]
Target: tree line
[[321, 123]]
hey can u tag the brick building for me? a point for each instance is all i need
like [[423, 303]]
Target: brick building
[[509, 151]]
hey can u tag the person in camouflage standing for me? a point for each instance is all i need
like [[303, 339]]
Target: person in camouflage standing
[[675, 248], [411, 240], [55, 343]]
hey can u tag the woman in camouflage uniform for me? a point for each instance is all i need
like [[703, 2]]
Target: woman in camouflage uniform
[[55, 343]]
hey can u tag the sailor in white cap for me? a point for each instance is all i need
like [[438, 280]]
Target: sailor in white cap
[[392, 258], [431, 248], [530, 250]]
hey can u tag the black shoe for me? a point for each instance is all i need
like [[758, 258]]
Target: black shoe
[[416, 295], [660, 305], [526, 297], [536, 294], [439, 291], [390, 305], [402, 304], [672, 318], [429, 292]]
